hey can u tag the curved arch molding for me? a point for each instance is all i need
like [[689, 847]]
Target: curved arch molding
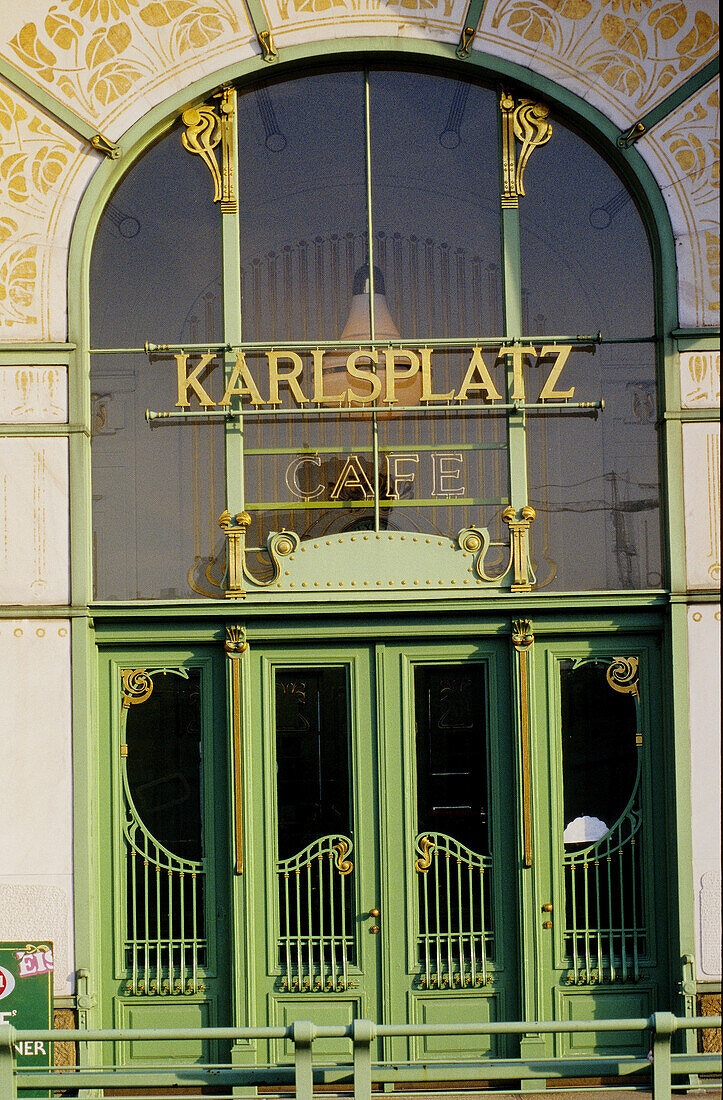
[[112, 61]]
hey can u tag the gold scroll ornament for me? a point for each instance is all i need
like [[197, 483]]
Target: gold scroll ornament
[[522, 640], [206, 128], [235, 645], [528, 122]]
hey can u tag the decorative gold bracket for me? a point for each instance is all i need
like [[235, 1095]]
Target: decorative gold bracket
[[426, 847], [527, 121], [206, 128], [266, 41], [622, 675], [522, 640], [103, 145], [519, 537], [235, 529], [465, 42], [235, 646], [279, 545]]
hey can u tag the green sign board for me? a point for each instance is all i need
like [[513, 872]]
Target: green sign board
[[26, 999]]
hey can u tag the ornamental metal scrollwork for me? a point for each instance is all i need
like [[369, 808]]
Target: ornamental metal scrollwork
[[528, 122], [622, 675], [476, 540], [426, 847], [136, 686], [343, 866]]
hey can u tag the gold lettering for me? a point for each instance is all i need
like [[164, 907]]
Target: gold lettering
[[290, 377], [319, 396], [390, 357], [368, 376], [518, 379], [352, 476], [478, 367], [427, 394], [248, 389], [190, 381], [548, 392]]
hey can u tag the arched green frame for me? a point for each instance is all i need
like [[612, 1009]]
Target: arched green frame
[[602, 135]]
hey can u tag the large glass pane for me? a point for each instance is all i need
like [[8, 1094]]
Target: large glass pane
[[312, 756], [451, 713], [435, 203], [586, 263], [155, 275], [594, 482]]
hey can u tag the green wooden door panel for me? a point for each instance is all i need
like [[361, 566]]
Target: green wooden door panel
[[325, 1013], [166, 1014], [610, 1005], [440, 1009]]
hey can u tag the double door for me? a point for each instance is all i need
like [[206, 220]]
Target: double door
[[420, 832], [448, 833]]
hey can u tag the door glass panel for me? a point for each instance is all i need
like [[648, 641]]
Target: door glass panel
[[605, 929], [165, 873], [452, 843], [315, 866]]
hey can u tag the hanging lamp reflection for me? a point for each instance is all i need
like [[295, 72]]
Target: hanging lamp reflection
[[352, 379]]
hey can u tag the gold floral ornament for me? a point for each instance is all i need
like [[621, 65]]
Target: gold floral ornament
[[425, 846], [136, 686]]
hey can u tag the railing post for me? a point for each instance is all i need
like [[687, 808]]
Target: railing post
[[363, 1032], [302, 1033], [7, 1057], [663, 1029]]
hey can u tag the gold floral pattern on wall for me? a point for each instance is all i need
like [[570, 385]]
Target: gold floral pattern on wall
[[33, 156], [684, 153], [95, 54], [638, 50]]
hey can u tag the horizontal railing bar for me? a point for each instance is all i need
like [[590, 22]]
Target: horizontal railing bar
[[291, 344], [585, 408], [344, 1031], [623, 1066]]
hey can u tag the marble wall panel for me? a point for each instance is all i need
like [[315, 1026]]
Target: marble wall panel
[[34, 527], [700, 379], [705, 762], [701, 491], [33, 395], [36, 789]]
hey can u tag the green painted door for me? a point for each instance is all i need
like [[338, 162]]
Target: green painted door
[[163, 857], [380, 847], [598, 886]]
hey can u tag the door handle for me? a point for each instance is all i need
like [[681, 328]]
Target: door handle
[[547, 907], [374, 913]]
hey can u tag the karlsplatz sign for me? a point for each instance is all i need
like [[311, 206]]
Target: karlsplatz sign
[[370, 378]]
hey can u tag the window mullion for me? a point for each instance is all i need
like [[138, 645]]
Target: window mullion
[[232, 319], [372, 330]]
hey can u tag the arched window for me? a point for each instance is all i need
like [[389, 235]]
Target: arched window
[[506, 358]]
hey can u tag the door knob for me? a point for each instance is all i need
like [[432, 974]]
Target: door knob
[[547, 907], [374, 913], [374, 930]]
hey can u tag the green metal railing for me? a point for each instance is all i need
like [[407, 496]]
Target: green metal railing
[[363, 1068]]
